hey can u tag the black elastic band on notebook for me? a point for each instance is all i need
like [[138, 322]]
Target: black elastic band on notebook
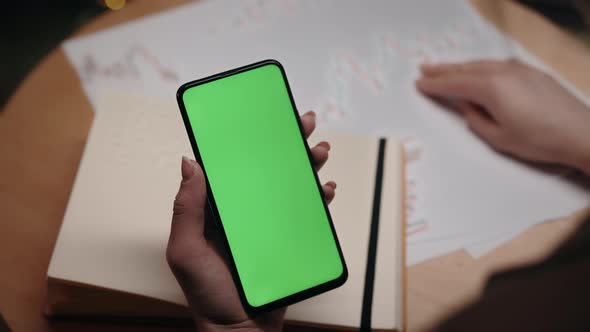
[[374, 231]]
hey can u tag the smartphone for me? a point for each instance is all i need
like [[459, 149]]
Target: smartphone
[[262, 186]]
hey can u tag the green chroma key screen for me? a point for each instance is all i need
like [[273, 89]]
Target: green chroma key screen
[[263, 184]]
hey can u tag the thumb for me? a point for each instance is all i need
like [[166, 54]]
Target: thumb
[[188, 218]]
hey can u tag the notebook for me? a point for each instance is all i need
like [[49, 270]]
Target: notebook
[[109, 259]]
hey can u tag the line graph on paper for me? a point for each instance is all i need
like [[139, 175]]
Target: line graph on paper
[[145, 61], [134, 63], [390, 57], [257, 13]]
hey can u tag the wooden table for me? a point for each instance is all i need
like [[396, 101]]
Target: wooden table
[[44, 127]]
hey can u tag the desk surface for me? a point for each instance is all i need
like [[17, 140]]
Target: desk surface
[[44, 127]]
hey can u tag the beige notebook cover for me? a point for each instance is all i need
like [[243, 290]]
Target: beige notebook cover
[[113, 238]]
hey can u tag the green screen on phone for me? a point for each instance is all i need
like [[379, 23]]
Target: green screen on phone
[[262, 182]]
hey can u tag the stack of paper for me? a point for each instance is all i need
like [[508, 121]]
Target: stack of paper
[[355, 64]]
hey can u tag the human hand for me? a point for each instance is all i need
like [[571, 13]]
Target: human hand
[[198, 264], [515, 108]]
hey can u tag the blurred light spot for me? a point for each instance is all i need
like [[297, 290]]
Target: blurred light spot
[[114, 4]]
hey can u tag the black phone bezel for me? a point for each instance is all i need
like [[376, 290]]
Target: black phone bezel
[[297, 297]]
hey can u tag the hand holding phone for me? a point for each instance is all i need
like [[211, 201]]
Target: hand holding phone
[[262, 187], [202, 273]]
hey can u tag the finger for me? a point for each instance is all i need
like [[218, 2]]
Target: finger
[[458, 86], [458, 105], [188, 219], [482, 125], [474, 67], [320, 154], [329, 190], [308, 122]]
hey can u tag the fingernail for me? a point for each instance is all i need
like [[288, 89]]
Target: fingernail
[[187, 168], [325, 145], [312, 113]]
